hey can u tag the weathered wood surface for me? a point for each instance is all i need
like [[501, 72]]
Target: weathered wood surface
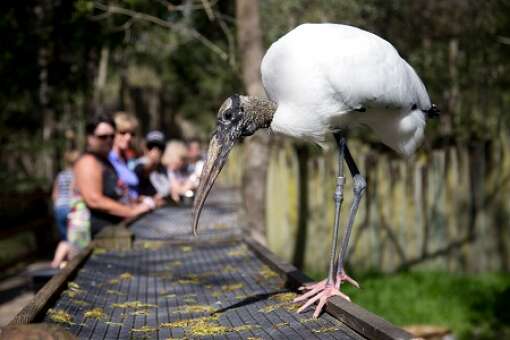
[[50, 292], [227, 284], [362, 321], [151, 280]]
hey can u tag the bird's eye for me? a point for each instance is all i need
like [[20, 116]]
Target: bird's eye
[[227, 115]]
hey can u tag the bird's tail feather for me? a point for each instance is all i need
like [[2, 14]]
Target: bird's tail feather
[[433, 112]]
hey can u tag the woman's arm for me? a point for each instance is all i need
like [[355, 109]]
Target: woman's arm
[[89, 177], [54, 191]]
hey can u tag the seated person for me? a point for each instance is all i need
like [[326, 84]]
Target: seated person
[[126, 126], [97, 181], [97, 191], [151, 173], [62, 193], [195, 162], [175, 160]]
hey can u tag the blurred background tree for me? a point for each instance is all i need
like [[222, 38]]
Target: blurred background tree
[[173, 62]]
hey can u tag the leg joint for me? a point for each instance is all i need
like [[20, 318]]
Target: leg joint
[[360, 184], [339, 191]]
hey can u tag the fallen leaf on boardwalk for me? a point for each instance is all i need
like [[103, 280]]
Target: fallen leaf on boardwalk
[[186, 249], [80, 303], [284, 297], [140, 312], [195, 309], [244, 328], [280, 325], [220, 226], [133, 304], [176, 263], [239, 251], [60, 316], [126, 276], [115, 292], [325, 330], [73, 285], [99, 251], [114, 323], [204, 329], [96, 313], [232, 287], [144, 329], [229, 269], [188, 322], [285, 300], [267, 273]]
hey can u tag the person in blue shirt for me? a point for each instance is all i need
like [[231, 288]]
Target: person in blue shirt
[[127, 125]]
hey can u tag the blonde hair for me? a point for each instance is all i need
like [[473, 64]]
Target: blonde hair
[[174, 151], [125, 121], [70, 157]]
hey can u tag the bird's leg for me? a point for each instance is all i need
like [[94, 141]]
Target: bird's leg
[[359, 187], [321, 291]]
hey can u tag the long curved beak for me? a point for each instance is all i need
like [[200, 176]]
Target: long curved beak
[[216, 158]]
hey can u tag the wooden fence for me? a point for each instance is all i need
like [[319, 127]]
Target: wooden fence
[[447, 209]]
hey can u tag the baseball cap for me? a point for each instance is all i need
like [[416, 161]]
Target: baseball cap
[[155, 138]]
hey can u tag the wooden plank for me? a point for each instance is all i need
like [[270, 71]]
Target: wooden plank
[[34, 310], [114, 237], [359, 319]]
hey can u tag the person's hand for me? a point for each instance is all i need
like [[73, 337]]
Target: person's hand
[[158, 200], [140, 208], [175, 195]]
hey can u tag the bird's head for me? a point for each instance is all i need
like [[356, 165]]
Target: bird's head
[[238, 117]]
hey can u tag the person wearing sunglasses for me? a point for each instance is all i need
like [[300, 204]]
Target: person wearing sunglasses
[[126, 125], [97, 181]]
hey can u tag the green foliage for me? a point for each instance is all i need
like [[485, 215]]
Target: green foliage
[[459, 48]]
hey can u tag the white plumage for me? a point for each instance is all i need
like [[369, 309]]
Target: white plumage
[[320, 74]]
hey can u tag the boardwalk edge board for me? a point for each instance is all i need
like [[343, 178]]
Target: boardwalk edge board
[[33, 311], [357, 318]]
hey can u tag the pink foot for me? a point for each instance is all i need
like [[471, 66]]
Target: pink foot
[[321, 292]]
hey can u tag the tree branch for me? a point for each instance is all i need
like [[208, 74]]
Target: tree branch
[[186, 31]]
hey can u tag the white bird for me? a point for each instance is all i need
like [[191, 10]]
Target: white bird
[[322, 80]]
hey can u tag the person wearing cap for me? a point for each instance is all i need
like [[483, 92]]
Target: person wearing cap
[[153, 180]]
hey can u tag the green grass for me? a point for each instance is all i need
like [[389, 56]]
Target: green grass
[[472, 306]]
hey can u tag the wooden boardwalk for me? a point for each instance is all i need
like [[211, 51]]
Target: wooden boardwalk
[[168, 285]]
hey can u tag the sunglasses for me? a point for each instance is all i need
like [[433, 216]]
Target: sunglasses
[[108, 136], [125, 132]]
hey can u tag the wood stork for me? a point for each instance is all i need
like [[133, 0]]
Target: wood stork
[[322, 80]]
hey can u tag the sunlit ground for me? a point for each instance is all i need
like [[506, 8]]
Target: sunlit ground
[[472, 306]]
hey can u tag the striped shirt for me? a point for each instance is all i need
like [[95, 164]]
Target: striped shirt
[[64, 185]]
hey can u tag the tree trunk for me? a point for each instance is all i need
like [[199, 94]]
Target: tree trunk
[[43, 12], [100, 81], [249, 38]]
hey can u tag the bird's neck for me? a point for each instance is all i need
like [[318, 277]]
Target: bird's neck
[[261, 109]]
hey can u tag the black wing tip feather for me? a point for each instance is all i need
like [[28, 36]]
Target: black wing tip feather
[[433, 112]]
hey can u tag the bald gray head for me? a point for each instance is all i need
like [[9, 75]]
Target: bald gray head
[[238, 117]]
